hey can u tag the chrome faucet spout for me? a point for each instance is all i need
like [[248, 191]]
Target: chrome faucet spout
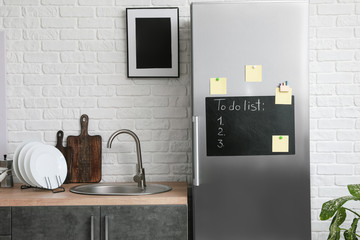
[[140, 175]]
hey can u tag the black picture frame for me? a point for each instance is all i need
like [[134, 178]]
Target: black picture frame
[[152, 42]]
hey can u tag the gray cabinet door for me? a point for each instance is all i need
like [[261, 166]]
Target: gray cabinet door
[[5, 222], [71, 223], [144, 222]]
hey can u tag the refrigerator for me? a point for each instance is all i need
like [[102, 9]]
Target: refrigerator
[[250, 102]]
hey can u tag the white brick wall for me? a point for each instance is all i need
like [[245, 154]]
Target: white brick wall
[[68, 57], [334, 66]]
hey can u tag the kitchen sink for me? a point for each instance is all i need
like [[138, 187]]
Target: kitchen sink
[[127, 189]]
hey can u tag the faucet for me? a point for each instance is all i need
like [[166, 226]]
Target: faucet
[[140, 175]]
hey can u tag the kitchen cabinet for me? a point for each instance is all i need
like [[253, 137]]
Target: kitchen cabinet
[[128, 222], [56, 223], [40, 214], [144, 222], [5, 223]]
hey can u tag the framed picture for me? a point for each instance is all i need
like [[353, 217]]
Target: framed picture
[[152, 42]]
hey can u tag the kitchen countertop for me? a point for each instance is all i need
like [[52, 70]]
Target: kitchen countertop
[[39, 197]]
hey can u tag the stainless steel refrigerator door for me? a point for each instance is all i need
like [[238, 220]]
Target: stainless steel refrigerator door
[[263, 197]]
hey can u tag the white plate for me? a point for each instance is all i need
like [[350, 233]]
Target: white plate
[[48, 166], [15, 161], [21, 161], [27, 164]]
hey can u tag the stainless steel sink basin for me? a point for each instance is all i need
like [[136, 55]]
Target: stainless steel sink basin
[[119, 189]]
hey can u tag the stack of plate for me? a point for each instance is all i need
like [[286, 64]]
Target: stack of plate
[[39, 165]]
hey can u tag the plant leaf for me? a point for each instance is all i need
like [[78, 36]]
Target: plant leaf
[[335, 223], [329, 208], [354, 190], [354, 225], [351, 233]]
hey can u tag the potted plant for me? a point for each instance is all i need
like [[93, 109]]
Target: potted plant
[[334, 208]]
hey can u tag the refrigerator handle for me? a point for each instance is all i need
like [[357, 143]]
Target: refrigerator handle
[[195, 120]]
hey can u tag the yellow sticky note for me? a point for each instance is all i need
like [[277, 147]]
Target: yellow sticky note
[[283, 97], [280, 143], [218, 86], [253, 73]]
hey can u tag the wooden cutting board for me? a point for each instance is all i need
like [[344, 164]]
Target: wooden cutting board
[[86, 160], [66, 151]]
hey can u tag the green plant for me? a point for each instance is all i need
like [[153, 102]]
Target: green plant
[[335, 208]]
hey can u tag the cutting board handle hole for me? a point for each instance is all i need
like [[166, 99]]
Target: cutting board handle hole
[[60, 134], [84, 118]]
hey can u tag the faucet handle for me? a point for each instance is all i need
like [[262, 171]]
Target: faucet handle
[[140, 176], [137, 178], [140, 179]]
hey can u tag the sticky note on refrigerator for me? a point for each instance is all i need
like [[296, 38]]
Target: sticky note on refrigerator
[[283, 97], [280, 143], [253, 73], [218, 86]]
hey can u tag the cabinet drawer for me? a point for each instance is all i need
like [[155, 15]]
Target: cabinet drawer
[[5, 221], [5, 237], [146, 222], [56, 223]]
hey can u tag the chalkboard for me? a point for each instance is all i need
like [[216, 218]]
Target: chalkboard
[[246, 125]]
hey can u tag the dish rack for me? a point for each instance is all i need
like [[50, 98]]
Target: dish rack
[[56, 190], [41, 166], [48, 184]]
